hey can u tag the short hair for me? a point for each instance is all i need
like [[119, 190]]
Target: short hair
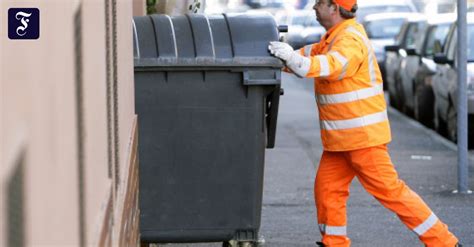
[[344, 13]]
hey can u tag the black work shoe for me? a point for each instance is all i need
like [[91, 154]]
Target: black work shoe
[[320, 244]]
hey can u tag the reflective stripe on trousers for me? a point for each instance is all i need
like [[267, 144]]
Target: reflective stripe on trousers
[[342, 230], [333, 230], [426, 225]]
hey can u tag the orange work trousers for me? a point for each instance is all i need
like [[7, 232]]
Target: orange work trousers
[[375, 171]]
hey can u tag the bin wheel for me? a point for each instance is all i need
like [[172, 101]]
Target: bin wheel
[[452, 124], [149, 245], [423, 105], [235, 243]]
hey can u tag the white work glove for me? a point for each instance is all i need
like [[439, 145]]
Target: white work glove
[[299, 64]]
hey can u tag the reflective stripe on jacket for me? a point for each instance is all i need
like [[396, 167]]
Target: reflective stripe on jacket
[[348, 89]]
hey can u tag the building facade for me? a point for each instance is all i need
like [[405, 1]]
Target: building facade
[[68, 128]]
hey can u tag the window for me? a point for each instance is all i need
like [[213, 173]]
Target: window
[[452, 45], [298, 20], [470, 43], [400, 35], [441, 34], [362, 12], [436, 39], [384, 29], [413, 33]]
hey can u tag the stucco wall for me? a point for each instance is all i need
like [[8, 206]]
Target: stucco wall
[[64, 113]]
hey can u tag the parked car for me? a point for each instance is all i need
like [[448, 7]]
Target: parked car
[[405, 43], [367, 7], [382, 30], [410, 64], [433, 41], [282, 17], [260, 6], [445, 84], [303, 29], [257, 4]]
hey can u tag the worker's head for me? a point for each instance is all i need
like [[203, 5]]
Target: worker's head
[[331, 12]]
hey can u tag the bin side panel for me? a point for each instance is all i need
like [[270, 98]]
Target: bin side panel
[[202, 145]]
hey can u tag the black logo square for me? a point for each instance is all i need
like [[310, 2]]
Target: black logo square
[[23, 23]]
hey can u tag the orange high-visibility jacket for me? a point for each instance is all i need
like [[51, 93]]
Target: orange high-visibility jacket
[[348, 88]]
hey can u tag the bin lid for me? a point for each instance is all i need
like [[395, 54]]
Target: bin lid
[[194, 40]]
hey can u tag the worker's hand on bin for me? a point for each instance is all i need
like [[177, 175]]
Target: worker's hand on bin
[[299, 64], [281, 50]]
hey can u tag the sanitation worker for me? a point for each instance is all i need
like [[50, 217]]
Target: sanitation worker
[[354, 128]]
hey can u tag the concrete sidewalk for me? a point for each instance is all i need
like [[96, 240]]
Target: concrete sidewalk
[[424, 160]]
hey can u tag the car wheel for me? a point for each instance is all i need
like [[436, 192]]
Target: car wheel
[[470, 133], [452, 124], [400, 95], [423, 105], [438, 123], [393, 100]]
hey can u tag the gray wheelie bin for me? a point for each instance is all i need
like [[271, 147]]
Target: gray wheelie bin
[[207, 93]]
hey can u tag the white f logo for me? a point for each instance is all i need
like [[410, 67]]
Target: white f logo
[[24, 21]]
